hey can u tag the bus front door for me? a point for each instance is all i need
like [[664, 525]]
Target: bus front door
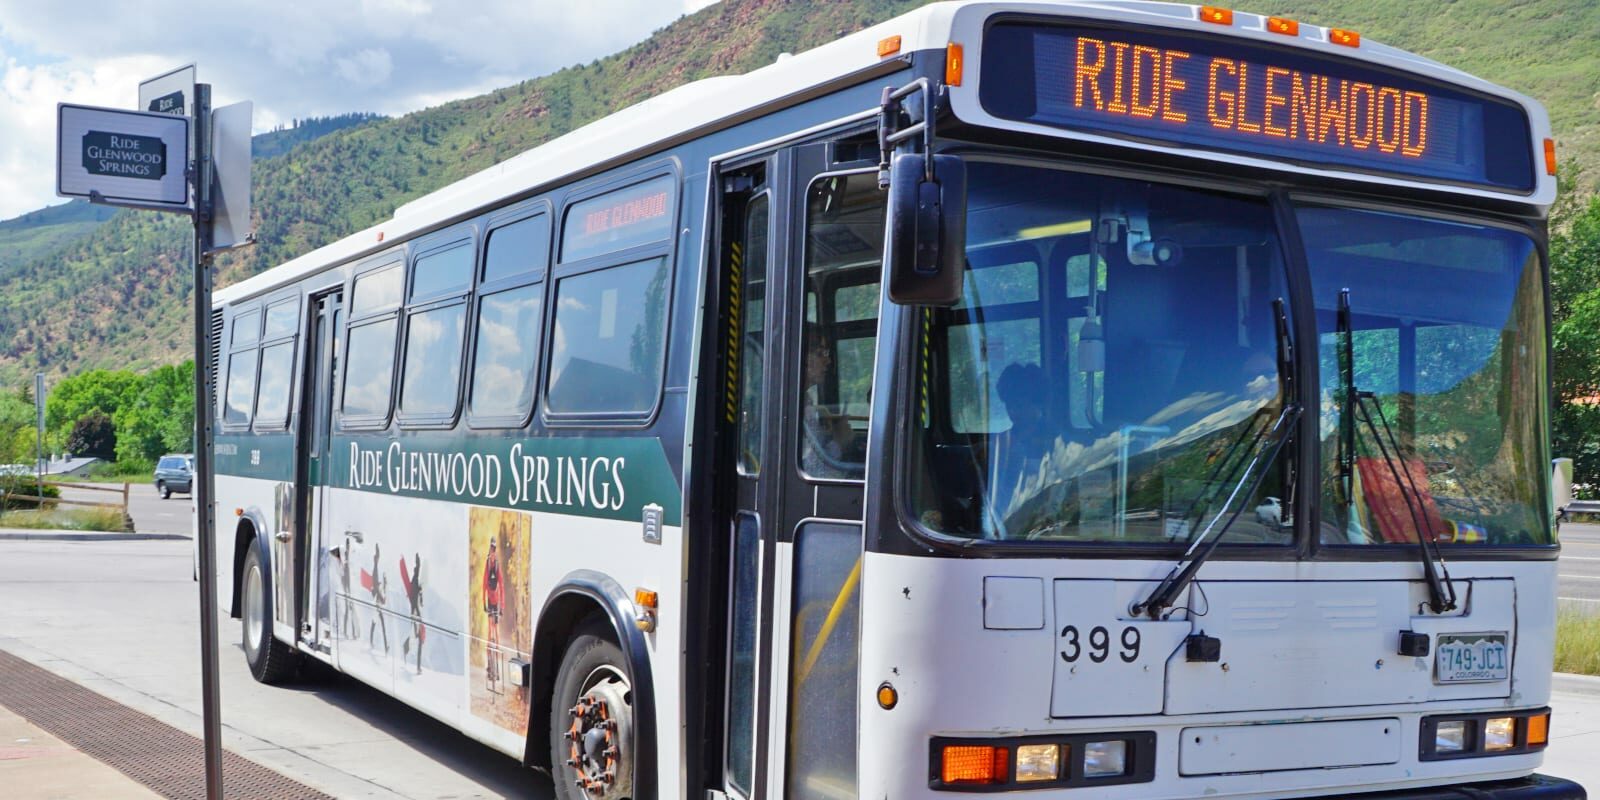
[[317, 564], [802, 239]]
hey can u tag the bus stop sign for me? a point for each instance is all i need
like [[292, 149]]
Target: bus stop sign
[[122, 157]]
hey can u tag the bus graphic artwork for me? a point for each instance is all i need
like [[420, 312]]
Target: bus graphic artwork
[[500, 614], [378, 586], [412, 583]]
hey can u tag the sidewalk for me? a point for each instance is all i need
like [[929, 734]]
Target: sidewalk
[[34, 764], [47, 535]]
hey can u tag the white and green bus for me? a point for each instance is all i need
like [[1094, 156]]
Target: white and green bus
[[1114, 400]]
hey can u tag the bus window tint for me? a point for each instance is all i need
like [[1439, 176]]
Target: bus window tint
[[246, 329], [433, 361], [369, 369], [272, 400], [376, 291], [241, 387], [753, 321], [508, 341], [442, 271], [610, 340], [517, 249], [844, 246], [283, 319]]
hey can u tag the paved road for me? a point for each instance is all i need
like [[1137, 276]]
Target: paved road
[[1580, 566], [119, 617], [150, 513]]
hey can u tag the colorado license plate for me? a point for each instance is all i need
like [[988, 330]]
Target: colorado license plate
[[1471, 658]]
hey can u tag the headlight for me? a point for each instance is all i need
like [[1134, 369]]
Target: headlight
[[1450, 737], [1038, 762], [1500, 733], [1102, 759]]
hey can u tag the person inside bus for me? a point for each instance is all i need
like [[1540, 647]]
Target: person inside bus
[[828, 444], [1019, 450]]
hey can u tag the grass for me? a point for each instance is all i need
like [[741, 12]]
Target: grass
[[1578, 642], [66, 519]]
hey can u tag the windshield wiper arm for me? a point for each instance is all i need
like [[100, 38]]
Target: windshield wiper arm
[[1441, 592], [1164, 594]]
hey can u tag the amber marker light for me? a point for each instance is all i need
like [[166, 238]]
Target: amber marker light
[[887, 696], [1287, 27], [1550, 156], [1344, 37], [1539, 730], [888, 45], [955, 62], [974, 764], [1216, 16], [644, 598]]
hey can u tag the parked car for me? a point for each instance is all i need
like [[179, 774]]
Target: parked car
[[174, 473]]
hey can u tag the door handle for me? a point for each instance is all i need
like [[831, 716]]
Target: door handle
[[282, 536]]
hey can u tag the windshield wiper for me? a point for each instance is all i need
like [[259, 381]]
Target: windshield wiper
[[1441, 591], [1163, 596]]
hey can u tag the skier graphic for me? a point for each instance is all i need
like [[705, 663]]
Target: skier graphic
[[379, 587], [348, 627], [493, 599], [412, 583]]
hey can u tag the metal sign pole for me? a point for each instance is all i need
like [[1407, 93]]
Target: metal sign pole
[[204, 406]]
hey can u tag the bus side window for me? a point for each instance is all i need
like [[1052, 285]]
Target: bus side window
[[369, 347], [277, 365], [844, 253], [507, 327], [435, 325], [239, 391], [608, 345]]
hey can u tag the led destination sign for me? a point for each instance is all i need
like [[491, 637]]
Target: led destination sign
[[1217, 94]]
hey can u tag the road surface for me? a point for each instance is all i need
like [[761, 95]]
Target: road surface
[[1579, 586], [120, 618]]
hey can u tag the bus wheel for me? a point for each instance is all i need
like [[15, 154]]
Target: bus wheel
[[270, 660], [591, 721]]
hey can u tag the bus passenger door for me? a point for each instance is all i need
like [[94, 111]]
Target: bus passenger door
[[317, 564], [833, 265]]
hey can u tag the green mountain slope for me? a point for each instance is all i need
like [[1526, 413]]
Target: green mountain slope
[[28, 237], [118, 297]]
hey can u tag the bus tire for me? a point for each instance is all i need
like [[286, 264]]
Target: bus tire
[[270, 661], [591, 719]]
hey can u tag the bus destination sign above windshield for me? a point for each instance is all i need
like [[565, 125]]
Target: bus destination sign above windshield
[[1207, 92], [122, 157]]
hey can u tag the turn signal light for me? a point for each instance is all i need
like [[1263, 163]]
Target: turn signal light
[[1287, 27], [1344, 37], [1218, 16], [1539, 730], [974, 764], [1550, 156], [955, 63]]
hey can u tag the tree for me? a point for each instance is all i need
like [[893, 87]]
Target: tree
[[76, 397], [94, 434], [159, 418], [1575, 336]]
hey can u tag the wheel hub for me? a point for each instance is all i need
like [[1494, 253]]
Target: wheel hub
[[598, 735]]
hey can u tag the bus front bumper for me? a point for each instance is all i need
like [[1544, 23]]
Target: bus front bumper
[[1533, 787]]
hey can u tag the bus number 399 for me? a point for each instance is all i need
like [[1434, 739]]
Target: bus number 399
[[1099, 644]]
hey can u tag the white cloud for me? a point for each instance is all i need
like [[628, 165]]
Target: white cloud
[[294, 58]]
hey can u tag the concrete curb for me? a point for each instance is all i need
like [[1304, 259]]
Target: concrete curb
[[1575, 684], [24, 535]]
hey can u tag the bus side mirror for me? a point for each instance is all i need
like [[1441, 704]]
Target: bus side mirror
[[927, 230]]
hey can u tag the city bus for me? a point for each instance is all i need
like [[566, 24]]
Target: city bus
[[1111, 400]]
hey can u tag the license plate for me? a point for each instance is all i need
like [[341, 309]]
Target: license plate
[[1471, 658]]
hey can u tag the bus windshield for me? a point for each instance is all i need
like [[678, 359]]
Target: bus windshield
[[1115, 340], [1115, 352], [1432, 380]]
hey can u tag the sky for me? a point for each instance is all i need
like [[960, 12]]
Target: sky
[[292, 58]]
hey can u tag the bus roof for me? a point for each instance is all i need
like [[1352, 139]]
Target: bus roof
[[711, 103]]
